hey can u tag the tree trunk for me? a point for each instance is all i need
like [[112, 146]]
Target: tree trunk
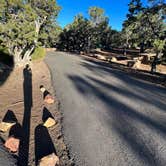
[[27, 57], [21, 60], [142, 47], [154, 63], [17, 60]]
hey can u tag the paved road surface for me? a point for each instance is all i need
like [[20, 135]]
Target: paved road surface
[[110, 118]]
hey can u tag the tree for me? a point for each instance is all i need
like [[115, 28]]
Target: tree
[[129, 25], [146, 26], [96, 15], [75, 37], [49, 35], [84, 34], [21, 24], [100, 26]]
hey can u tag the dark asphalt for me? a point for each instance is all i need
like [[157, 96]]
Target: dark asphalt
[[110, 118]]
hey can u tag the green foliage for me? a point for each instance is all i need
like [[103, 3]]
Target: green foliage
[[96, 15], [24, 25], [39, 53], [144, 25], [84, 34], [3, 50], [158, 45], [76, 36], [114, 39], [49, 36]]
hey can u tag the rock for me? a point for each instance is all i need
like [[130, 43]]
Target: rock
[[114, 59], [81, 52], [137, 64], [46, 95], [42, 89], [49, 99], [4, 126], [12, 144], [101, 57], [50, 160], [49, 122], [98, 49]]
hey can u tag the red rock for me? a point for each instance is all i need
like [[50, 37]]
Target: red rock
[[50, 160], [12, 144], [49, 99]]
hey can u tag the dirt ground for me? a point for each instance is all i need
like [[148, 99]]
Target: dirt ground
[[14, 92], [161, 69]]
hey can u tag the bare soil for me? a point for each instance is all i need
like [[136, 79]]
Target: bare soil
[[161, 69], [12, 97]]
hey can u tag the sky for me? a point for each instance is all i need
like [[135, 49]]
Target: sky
[[116, 10]]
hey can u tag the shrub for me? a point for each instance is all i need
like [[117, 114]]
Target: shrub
[[39, 53], [3, 50]]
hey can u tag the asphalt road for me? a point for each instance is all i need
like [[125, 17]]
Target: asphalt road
[[110, 118]]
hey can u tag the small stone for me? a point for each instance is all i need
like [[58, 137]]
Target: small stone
[[49, 122], [137, 64], [101, 57], [49, 99], [114, 59], [12, 144], [4, 126], [42, 89], [50, 160]]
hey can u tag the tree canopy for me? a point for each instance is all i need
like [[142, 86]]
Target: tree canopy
[[85, 34], [24, 24]]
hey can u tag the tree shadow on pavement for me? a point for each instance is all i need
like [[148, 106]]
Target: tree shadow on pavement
[[135, 84], [24, 144], [140, 74], [124, 118]]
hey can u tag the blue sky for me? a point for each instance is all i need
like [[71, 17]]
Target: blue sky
[[116, 10]]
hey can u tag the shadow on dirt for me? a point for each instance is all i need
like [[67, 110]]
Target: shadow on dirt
[[6, 66], [28, 103], [46, 114]]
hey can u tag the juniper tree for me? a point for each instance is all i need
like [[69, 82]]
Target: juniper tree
[[21, 23]]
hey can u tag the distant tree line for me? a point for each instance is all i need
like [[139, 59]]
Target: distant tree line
[[85, 34], [145, 27], [28, 24]]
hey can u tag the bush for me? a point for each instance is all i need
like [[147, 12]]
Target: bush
[[39, 53], [3, 50]]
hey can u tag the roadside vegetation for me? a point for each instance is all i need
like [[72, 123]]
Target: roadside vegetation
[[27, 27], [143, 29], [38, 54]]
